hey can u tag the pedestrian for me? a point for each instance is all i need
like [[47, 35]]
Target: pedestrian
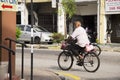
[[109, 32]]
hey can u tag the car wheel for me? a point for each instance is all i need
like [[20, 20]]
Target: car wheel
[[50, 42], [37, 40]]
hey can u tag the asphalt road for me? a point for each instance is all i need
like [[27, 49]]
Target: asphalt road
[[47, 60]]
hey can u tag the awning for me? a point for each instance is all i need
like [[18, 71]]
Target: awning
[[35, 1], [51, 0], [84, 0], [40, 1]]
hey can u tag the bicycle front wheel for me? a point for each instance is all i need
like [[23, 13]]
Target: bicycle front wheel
[[91, 62], [65, 60]]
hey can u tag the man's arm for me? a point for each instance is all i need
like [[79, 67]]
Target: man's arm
[[74, 34]]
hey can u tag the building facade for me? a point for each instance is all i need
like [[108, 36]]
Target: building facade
[[112, 14], [44, 15], [101, 16], [98, 16]]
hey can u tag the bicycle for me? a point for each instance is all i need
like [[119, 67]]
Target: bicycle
[[90, 61], [97, 48]]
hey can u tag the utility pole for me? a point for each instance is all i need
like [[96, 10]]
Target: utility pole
[[32, 39]]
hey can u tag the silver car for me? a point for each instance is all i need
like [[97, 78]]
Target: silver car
[[39, 34]]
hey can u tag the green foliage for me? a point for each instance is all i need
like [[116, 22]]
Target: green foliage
[[69, 7], [57, 37], [97, 41], [18, 32], [59, 11]]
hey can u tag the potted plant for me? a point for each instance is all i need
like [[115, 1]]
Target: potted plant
[[57, 37], [18, 32]]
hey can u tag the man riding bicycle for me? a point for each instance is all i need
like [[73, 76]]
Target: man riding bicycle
[[80, 35]]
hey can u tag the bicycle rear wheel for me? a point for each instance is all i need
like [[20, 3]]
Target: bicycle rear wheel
[[91, 62], [65, 60], [97, 49]]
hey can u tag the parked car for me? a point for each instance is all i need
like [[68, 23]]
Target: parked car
[[39, 34]]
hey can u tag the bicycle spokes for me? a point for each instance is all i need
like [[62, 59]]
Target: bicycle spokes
[[65, 61], [91, 62]]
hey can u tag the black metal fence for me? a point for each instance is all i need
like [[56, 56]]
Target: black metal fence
[[0, 48], [11, 52]]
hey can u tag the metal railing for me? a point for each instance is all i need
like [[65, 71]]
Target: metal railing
[[10, 46], [13, 53]]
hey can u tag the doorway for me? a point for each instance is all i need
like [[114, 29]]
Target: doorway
[[90, 23], [115, 26]]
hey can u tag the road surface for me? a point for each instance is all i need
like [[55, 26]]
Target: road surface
[[47, 60]]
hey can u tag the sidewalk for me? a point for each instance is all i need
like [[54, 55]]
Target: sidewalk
[[47, 75], [38, 73], [114, 47], [43, 75]]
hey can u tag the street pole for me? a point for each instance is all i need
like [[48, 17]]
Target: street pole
[[53, 22], [22, 66], [98, 20], [31, 40], [10, 62]]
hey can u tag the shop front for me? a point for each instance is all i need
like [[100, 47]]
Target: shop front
[[113, 25], [112, 10], [44, 15]]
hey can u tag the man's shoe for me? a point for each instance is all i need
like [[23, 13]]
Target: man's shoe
[[79, 63]]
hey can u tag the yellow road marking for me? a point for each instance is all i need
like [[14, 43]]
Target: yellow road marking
[[74, 77]]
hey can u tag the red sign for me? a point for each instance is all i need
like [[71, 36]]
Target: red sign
[[6, 6]]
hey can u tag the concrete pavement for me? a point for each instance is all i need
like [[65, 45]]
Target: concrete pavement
[[39, 72], [48, 75]]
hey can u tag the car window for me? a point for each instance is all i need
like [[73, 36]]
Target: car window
[[42, 29], [28, 29], [37, 29]]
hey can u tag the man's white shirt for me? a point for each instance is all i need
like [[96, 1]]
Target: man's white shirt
[[81, 36]]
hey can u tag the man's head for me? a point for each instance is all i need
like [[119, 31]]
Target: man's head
[[77, 24]]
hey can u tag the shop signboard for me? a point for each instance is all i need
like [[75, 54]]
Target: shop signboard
[[112, 5], [8, 5]]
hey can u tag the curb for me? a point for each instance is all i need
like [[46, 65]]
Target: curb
[[51, 47], [110, 48], [57, 47]]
